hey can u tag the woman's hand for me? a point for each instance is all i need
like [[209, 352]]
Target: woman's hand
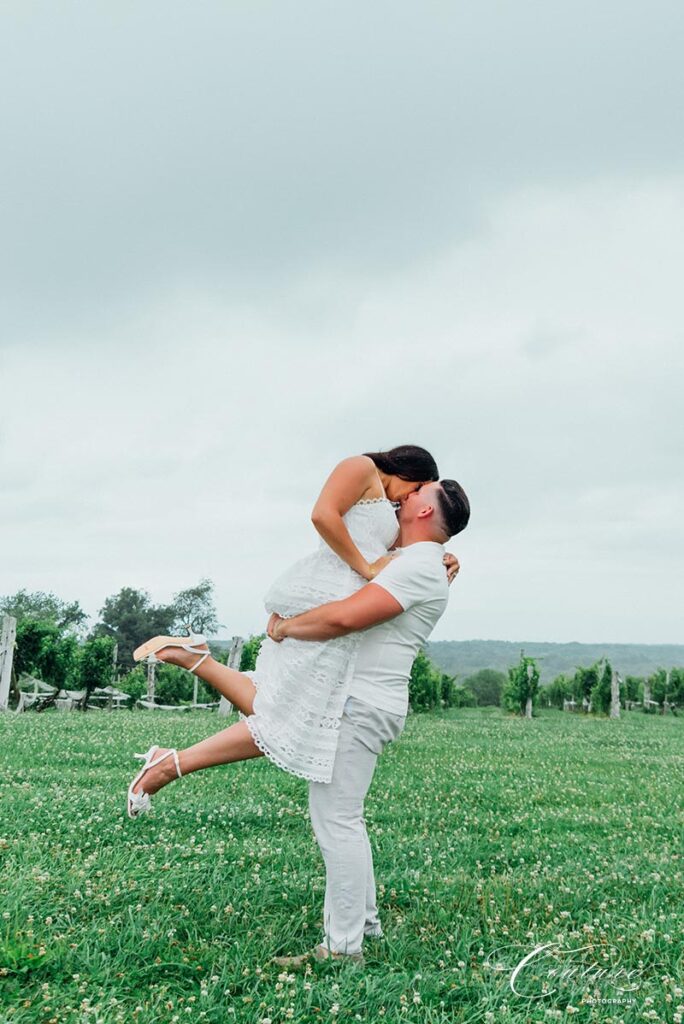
[[452, 566], [373, 568], [274, 629]]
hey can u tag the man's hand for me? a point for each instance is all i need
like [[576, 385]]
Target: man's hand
[[452, 566], [378, 565], [274, 629]]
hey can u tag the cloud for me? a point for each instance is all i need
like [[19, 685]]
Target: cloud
[[243, 241], [538, 359], [240, 147]]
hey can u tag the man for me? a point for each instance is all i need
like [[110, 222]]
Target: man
[[399, 610]]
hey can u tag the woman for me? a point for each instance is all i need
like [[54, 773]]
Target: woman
[[292, 702]]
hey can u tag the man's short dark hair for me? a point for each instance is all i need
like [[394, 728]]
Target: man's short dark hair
[[453, 506]]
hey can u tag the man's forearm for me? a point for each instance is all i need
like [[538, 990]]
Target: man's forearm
[[369, 606], [322, 623]]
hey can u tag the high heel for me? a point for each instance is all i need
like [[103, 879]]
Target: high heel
[[188, 643], [139, 803]]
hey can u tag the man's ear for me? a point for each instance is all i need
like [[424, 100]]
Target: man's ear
[[426, 510]]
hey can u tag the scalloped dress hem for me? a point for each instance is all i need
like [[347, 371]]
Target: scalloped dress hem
[[278, 762]]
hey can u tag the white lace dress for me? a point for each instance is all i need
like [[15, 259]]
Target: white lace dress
[[302, 684]]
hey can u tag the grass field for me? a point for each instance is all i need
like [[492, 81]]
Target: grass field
[[488, 832]]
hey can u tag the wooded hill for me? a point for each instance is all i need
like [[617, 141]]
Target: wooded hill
[[463, 657]]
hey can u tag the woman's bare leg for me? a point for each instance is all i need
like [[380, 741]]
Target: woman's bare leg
[[235, 686], [232, 744]]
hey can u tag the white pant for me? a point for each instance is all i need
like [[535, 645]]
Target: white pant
[[336, 810]]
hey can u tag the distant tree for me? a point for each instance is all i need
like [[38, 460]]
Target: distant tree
[[675, 689], [250, 652], [59, 661], [453, 694], [32, 634], [584, 681], [430, 688], [130, 618], [447, 691], [600, 693], [44, 652], [556, 692], [44, 607], [196, 607], [95, 666], [520, 692], [173, 684], [658, 683], [425, 684], [134, 682], [487, 686], [459, 696], [633, 688]]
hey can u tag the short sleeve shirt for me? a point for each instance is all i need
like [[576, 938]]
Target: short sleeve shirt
[[416, 578]]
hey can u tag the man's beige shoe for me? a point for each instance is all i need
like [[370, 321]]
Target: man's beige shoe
[[317, 953]]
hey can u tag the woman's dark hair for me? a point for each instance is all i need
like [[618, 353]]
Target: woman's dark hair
[[408, 462]]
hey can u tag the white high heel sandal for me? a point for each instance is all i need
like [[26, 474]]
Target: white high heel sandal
[[140, 803], [188, 643]]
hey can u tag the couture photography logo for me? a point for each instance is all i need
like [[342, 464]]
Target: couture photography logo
[[554, 970]]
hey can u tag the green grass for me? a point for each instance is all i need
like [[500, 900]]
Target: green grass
[[487, 831]]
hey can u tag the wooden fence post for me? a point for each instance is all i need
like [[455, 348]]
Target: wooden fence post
[[7, 638], [234, 658], [615, 695], [528, 702], [152, 662], [666, 705]]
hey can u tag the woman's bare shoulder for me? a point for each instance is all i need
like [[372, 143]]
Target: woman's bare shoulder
[[354, 477], [358, 464]]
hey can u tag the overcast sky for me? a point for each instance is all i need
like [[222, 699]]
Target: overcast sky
[[240, 241]]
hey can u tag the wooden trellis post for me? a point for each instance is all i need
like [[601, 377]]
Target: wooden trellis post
[[615, 695], [666, 705], [152, 663], [7, 638], [528, 702], [234, 658]]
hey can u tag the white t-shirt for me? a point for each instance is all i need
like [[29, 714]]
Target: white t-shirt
[[417, 580]]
